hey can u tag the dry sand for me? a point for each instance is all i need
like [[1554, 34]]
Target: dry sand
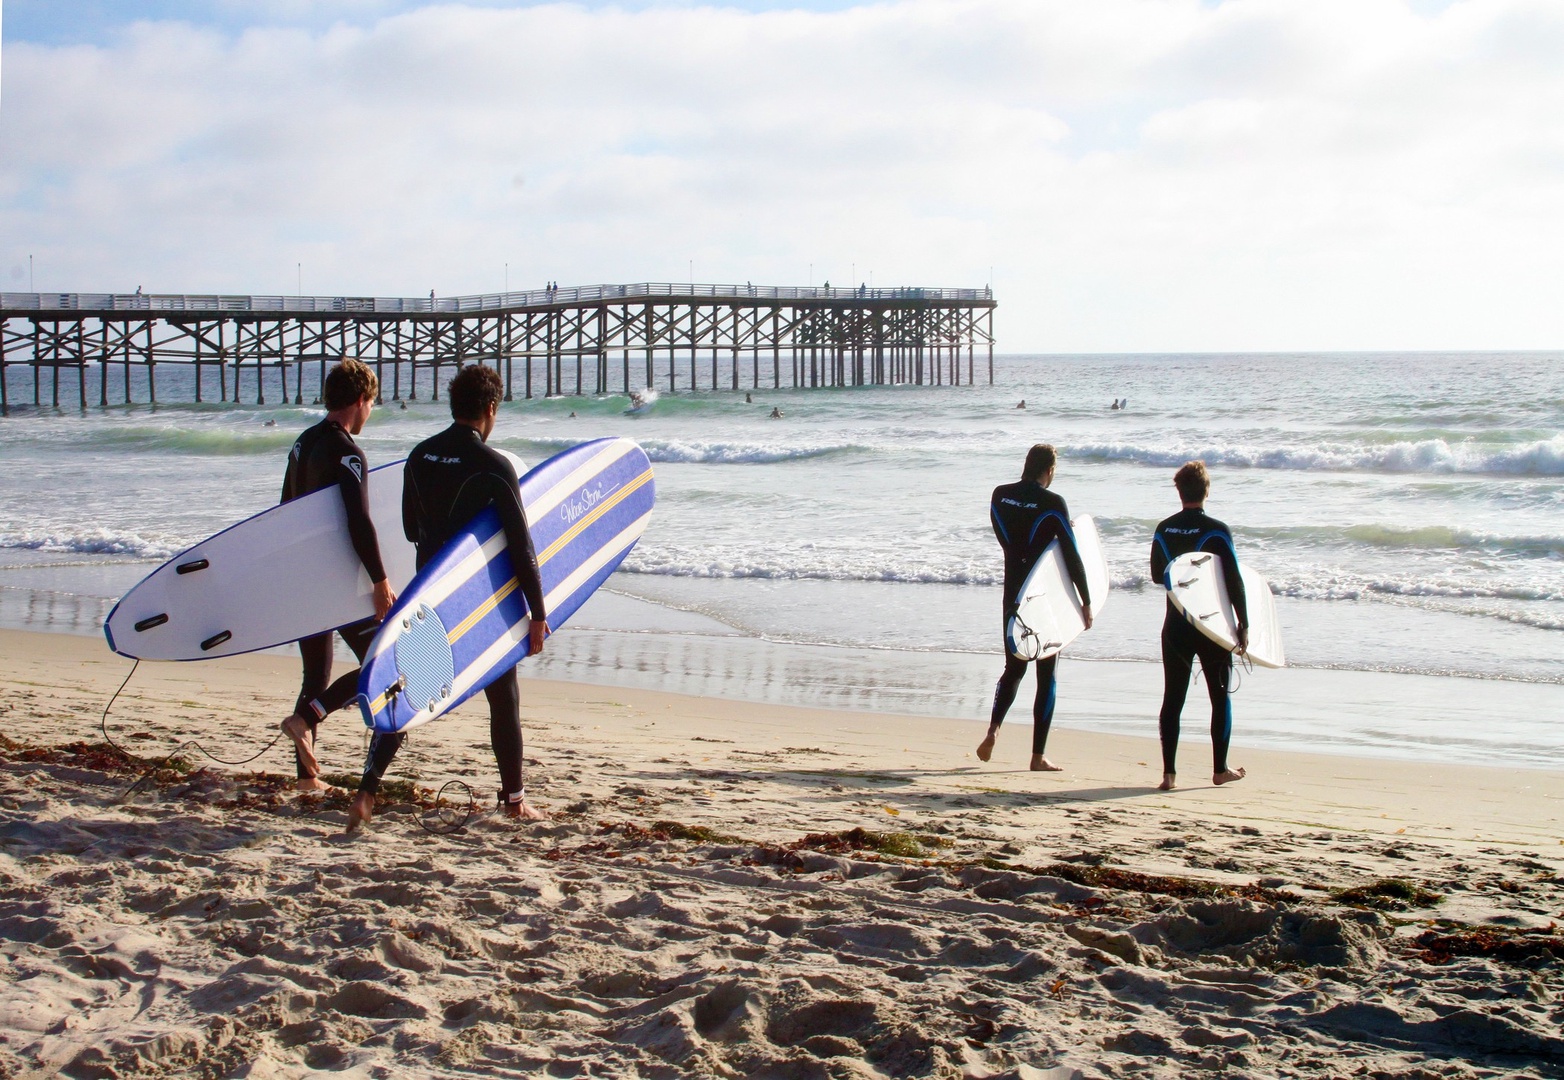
[[700, 905]]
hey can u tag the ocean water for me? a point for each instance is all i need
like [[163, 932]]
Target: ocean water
[[1408, 510]]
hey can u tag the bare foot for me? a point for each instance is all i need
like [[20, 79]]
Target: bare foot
[[985, 748], [525, 811], [1228, 776], [1042, 764], [1169, 782], [310, 783], [362, 809], [298, 729]]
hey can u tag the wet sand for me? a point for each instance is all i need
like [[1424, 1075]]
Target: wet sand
[[729, 889]]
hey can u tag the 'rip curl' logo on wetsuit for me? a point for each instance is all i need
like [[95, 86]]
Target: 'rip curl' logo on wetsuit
[[573, 510]]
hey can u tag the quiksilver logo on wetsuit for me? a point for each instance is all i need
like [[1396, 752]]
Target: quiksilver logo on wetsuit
[[355, 466]]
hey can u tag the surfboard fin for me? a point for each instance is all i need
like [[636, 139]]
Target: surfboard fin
[[191, 567], [215, 640], [150, 622]]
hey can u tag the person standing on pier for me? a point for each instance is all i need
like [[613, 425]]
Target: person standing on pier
[[1187, 531], [326, 455], [449, 479], [1027, 517]]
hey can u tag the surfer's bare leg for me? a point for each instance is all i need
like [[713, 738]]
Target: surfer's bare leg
[[300, 731], [1042, 764], [985, 748], [361, 810], [1227, 776], [1169, 782]]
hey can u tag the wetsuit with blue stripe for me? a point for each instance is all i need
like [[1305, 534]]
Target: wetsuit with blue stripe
[[1188, 531], [1027, 517]]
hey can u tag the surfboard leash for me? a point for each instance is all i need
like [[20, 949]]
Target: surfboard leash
[[192, 744]]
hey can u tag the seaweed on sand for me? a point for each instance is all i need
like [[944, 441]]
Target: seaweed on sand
[[1388, 894]]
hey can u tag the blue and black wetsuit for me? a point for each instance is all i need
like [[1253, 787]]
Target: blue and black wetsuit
[[322, 456], [448, 480], [1188, 531], [1027, 517]]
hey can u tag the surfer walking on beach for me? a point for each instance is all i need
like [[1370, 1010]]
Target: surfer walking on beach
[[448, 480], [1191, 530], [1027, 517], [323, 456]]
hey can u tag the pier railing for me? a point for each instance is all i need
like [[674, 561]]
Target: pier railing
[[530, 298]]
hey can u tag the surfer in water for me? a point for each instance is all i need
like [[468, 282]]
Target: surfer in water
[[323, 456], [1188, 531], [448, 480], [1027, 517]]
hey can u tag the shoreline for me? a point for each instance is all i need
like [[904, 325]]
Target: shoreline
[[630, 641], [728, 888]]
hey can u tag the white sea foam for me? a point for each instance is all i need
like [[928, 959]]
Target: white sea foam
[[1543, 457], [91, 541], [737, 453]]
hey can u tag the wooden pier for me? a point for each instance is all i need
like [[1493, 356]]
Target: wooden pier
[[595, 339]]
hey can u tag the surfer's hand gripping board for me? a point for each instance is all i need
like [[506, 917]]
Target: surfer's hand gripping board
[[1198, 589]]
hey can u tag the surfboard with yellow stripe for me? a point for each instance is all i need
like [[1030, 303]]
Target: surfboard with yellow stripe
[[463, 619]]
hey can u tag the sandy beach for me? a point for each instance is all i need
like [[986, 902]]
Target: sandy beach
[[731, 889]]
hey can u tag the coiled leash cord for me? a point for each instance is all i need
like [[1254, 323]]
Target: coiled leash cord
[[191, 744], [444, 814]]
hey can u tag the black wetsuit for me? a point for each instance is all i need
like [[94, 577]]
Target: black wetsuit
[[325, 455], [1027, 517], [1185, 532], [448, 480]]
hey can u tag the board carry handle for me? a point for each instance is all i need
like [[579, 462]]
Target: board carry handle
[[191, 567], [151, 621], [215, 640]]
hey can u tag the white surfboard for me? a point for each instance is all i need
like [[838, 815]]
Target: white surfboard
[[284, 574], [1048, 611], [1199, 592]]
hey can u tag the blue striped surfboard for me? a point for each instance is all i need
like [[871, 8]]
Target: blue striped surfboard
[[463, 618]]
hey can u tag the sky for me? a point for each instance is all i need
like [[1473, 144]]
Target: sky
[[1129, 175]]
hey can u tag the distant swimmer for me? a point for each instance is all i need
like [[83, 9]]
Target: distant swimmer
[[1115, 406], [1021, 404], [1027, 517], [326, 456], [748, 400], [270, 423], [1188, 531], [572, 415], [776, 414]]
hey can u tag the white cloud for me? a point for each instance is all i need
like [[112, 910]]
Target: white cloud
[[1142, 174]]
